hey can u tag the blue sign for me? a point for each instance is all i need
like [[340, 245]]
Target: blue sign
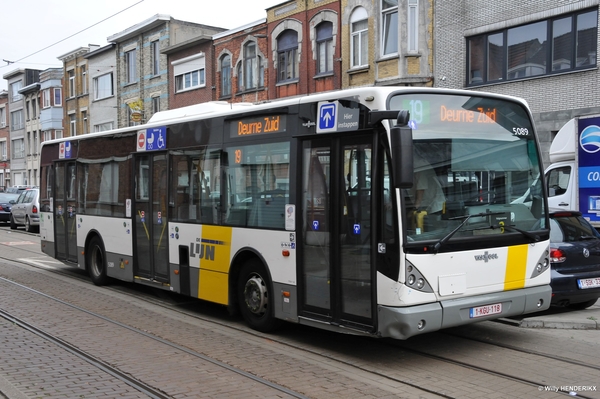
[[357, 229], [589, 167], [315, 225], [327, 116], [152, 139]]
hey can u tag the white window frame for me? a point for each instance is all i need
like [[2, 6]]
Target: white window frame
[[131, 75], [155, 57], [58, 134], [357, 37], [71, 74], [2, 116], [14, 91], [46, 98], [20, 124], [18, 148], [57, 96], [186, 69], [389, 28], [73, 124], [413, 26], [83, 73], [100, 86], [101, 127]]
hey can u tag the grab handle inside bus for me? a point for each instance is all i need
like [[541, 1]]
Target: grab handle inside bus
[[402, 151]]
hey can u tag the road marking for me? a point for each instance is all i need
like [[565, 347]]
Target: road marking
[[12, 243], [43, 264]]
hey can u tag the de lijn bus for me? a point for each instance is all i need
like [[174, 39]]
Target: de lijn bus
[[381, 211]]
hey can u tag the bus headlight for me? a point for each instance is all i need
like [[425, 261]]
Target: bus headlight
[[415, 279]]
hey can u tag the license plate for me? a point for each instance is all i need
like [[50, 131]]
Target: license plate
[[487, 310], [588, 283]]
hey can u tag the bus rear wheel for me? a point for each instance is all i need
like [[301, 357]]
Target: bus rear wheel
[[95, 260], [255, 297]]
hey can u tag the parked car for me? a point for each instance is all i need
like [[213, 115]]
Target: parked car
[[575, 260], [6, 202], [19, 189], [26, 211]]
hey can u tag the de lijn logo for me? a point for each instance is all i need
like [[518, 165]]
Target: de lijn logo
[[590, 139]]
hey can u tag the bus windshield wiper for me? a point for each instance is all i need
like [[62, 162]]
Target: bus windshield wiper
[[466, 218], [533, 237]]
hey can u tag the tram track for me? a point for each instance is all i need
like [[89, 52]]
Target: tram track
[[403, 349]]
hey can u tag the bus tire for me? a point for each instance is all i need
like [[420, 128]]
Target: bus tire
[[95, 261], [255, 296]]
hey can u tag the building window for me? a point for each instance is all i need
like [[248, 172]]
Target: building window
[[103, 127], [35, 143], [565, 43], [58, 134], [16, 120], [324, 47], [57, 96], [3, 154], [18, 148], [27, 110], [253, 71], [359, 38], [84, 120], [226, 75], [72, 125], [34, 111], [287, 50], [130, 66], [413, 26], [46, 98], [2, 117], [155, 104], [71, 75], [189, 80], [389, 29], [14, 91], [103, 86], [83, 72], [155, 57], [47, 135]]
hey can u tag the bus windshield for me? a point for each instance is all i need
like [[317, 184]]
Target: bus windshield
[[476, 166]]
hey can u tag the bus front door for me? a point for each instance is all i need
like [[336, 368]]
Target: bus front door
[[151, 218], [337, 271], [65, 211]]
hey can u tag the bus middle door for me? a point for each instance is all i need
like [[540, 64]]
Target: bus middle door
[[337, 271], [151, 217], [65, 211]]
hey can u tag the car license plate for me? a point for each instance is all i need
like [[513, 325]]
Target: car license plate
[[487, 310], [585, 283]]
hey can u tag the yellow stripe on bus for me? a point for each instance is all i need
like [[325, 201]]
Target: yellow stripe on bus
[[214, 264], [516, 267]]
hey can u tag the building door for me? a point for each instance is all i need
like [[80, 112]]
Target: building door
[[65, 211], [151, 217], [337, 271]]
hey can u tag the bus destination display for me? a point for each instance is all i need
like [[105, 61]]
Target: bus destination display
[[257, 126], [421, 111]]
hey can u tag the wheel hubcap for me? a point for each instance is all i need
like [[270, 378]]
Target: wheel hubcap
[[255, 295]]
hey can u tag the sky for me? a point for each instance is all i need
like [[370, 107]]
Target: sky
[[65, 25]]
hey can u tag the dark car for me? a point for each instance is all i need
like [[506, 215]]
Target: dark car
[[575, 260], [6, 204]]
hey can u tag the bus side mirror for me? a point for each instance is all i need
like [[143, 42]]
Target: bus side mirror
[[402, 152]]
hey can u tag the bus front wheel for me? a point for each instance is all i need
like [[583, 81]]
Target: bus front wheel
[[95, 260], [255, 297]]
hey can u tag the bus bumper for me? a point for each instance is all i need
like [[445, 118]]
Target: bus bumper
[[404, 322]]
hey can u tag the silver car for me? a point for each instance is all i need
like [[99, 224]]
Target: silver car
[[26, 211]]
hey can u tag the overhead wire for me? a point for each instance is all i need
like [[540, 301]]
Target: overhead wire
[[68, 37]]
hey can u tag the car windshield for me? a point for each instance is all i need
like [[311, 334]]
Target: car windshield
[[7, 197], [571, 229]]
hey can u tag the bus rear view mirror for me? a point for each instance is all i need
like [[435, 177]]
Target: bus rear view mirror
[[402, 152]]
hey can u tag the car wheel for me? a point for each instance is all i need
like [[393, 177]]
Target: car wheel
[[28, 226], [95, 261], [255, 297], [583, 305], [13, 225]]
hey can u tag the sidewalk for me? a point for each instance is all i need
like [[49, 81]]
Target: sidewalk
[[561, 318]]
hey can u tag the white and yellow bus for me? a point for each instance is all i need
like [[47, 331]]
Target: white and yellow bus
[[383, 211]]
